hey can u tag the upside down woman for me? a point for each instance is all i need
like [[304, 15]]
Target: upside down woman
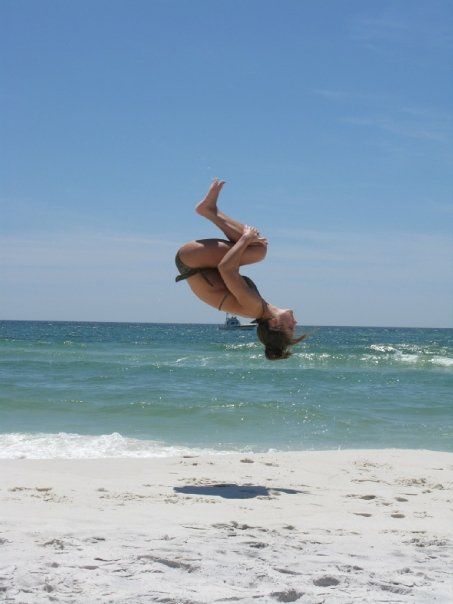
[[211, 267]]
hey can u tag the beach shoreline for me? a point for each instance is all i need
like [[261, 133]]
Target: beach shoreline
[[308, 526]]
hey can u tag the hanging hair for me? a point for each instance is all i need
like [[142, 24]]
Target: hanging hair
[[276, 342]]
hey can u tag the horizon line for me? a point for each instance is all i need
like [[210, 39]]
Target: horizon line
[[197, 323]]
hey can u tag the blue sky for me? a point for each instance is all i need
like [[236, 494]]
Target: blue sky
[[330, 121]]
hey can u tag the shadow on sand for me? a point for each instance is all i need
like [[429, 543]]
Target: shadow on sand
[[234, 491]]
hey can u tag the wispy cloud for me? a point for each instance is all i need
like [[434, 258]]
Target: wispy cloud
[[419, 127], [389, 113], [89, 276], [328, 277], [386, 278], [391, 28], [85, 253], [355, 96], [380, 257], [442, 207], [334, 95], [382, 27]]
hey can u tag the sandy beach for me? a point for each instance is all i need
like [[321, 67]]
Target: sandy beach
[[307, 527]]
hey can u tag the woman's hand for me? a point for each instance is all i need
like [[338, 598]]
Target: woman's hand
[[252, 235]]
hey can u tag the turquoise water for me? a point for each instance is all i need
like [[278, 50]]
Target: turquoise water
[[96, 389]]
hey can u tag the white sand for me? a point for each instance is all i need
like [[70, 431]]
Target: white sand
[[333, 526]]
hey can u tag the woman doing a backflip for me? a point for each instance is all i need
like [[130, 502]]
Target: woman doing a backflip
[[211, 267]]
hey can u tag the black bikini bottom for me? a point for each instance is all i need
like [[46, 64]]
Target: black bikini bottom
[[186, 271]]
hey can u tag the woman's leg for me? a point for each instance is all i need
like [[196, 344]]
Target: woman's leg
[[208, 208], [207, 253]]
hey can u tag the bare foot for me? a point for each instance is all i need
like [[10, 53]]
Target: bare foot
[[209, 204]]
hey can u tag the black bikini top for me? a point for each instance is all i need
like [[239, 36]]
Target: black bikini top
[[252, 286]]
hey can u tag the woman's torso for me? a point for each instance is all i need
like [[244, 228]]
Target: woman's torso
[[211, 289]]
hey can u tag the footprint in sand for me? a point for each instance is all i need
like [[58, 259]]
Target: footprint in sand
[[290, 595], [398, 515], [43, 493], [426, 542], [58, 544], [170, 563], [349, 568], [371, 479], [256, 544], [286, 571], [233, 525], [393, 588], [421, 482], [94, 539], [326, 581], [366, 465]]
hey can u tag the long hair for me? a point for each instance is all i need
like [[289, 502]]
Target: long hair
[[276, 342]]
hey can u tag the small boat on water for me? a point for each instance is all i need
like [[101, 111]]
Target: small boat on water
[[232, 322]]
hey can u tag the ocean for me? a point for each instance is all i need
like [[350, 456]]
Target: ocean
[[88, 390]]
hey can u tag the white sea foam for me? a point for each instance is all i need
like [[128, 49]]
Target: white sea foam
[[443, 361], [406, 358], [313, 356], [241, 346], [77, 446], [408, 353], [371, 358], [382, 348]]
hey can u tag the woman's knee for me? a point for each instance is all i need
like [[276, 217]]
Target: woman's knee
[[204, 252], [255, 253], [261, 251], [186, 252]]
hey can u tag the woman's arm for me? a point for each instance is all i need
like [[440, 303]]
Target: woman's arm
[[229, 270], [232, 259]]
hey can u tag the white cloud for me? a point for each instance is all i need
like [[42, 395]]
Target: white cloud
[[82, 251], [417, 126], [384, 27], [425, 24], [390, 113], [419, 254], [351, 278], [390, 278], [82, 276]]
